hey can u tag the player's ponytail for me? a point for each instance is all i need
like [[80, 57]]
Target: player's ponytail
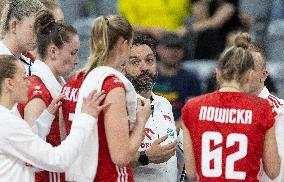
[[105, 33], [237, 60]]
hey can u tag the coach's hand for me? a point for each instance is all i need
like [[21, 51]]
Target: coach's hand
[[158, 153]]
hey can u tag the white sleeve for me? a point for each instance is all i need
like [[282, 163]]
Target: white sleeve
[[19, 141], [42, 124], [279, 132]]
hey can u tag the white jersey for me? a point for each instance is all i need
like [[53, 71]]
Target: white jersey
[[278, 106], [26, 61], [21, 149], [159, 124]]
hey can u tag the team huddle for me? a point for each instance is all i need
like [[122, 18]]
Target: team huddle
[[105, 124]]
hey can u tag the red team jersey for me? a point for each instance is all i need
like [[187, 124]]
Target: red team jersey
[[71, 91], [107, 171], [37, 89], [227, 131]]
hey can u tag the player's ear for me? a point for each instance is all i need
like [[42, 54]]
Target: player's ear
[[218, 74]]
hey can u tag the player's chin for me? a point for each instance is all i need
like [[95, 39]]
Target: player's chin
[[32, 46], [66, 72]]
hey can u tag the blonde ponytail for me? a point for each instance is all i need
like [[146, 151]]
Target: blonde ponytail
[[104, 35], [237, 60]]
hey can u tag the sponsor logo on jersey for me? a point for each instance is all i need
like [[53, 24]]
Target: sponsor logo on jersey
[[171, 132], [149, 133], [167, 117], [37, 90], [145, 145], [28, 165], [117, 81]]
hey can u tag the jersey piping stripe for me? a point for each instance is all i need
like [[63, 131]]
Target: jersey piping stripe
[[118, 174], [50, 176], [126, 175], [54, 177], [58, 177], [122, 175], [274, 101]]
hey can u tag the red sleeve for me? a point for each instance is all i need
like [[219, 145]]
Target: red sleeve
[[111, 83], [185, 115], [269, 114], [38, 90]]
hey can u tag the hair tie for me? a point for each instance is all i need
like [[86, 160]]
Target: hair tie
[[107, 21]]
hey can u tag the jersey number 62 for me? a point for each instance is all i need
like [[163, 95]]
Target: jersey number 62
[[216, 155]]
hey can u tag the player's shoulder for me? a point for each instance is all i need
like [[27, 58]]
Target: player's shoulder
[[276, 102], [36, 84], [195, 101], [76, 78], [35, 80], [257, 101], [112, 81]]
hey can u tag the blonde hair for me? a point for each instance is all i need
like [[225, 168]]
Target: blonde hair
[[50, 4], [104, 35], [236, 60], [18, 9]]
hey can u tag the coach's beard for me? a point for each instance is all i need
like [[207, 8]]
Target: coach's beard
[[141, 85]]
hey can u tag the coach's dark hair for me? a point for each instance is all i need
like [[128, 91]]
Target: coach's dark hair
[[237, 60], [147, 40], [8, 68], [104, 35], [49, 32]]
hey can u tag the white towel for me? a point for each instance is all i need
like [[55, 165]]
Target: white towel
[[4, 50], [41, 70], [85, 167]]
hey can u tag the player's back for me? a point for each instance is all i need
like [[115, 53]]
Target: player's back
[[71, 91], [227, 131]]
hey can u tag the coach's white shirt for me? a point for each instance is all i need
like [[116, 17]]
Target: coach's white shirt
[[160, 123], [278, 106], [20, 148]]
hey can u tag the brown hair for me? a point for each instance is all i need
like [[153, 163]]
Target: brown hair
[[255, 47], [237, 60], [105, 33], [18, 9], [48, 31], [8, 68]]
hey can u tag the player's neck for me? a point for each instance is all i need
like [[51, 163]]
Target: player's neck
[[230, 87], [9, 42], [6, 101]]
